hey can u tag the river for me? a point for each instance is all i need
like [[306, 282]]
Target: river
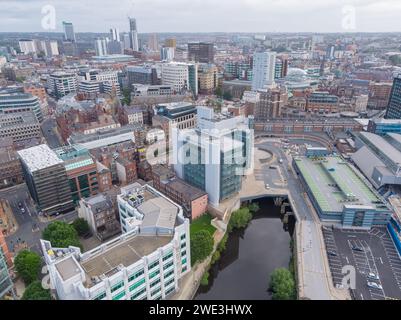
[[244, 269]]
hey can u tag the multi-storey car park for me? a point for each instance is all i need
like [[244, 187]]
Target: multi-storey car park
[[339, 194], [146, 262]]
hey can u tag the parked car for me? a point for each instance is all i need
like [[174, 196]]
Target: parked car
[[267, 186], [280, 160], [357, 249], [374, 285], [332, 253], [373, 276], [22, 210]]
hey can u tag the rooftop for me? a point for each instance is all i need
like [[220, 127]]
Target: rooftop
[[334, 184], [125, 253], [383, 145], [39, 157]]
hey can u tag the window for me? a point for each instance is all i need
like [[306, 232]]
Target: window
[[168, 274], [119, 296], [100, 296], [154, 274], [183, 245], [184, 261], [139, 293], [183, 236], [117, 286], [184, 269], [136, 285], [154, 283], [169, 282], [168, 265], [154, 292], [183, 253], [168, 256], [135, 275], [153, 264]]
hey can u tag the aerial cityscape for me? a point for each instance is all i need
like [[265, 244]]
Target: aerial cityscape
[[187, 156]]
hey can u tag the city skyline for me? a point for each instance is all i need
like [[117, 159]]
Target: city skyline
[[207, 16]]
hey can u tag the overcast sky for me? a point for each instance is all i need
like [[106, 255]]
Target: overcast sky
[[207, 15]]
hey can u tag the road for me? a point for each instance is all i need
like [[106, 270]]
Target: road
[[30, 225], [315, 280], [49, 130]]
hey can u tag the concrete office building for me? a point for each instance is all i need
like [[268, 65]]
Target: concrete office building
[[27, 46], [101, 47], [394, 105], [69, 34], [20, 102], [263, 70], [141, 75], [340, 194], [202, 52], [182, 76], [133, 34], [144, 263], [46, 178], [167, 54], [215, 155], [20, 126], [61, 83]]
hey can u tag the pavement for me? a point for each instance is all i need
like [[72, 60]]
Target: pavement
[[377, 255]]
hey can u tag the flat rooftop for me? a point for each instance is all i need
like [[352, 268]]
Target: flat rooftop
[[39, 157], [123, 253], [334, 184], [383, 145]]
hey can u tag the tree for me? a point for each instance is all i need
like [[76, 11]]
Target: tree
[[27, 264], [61, 235], [254, 207], [205, 279], [239, 219], [81, 226], [35, 291], [282, 284], [201, 246], [126, 97]]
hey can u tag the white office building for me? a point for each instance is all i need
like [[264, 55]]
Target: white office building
[[167, 54], [215, 155], [100, 47], [181, 76], [27, 46], [263, 70], [146, 262], [61, 83]]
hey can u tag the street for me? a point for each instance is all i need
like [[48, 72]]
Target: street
[[30, 225]]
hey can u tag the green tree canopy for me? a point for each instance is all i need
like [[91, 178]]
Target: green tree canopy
[[27, 264], [81, 226], [201, 245], [282, 284], [35, 291], [254, 207], [239, 219], [61, 235]]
